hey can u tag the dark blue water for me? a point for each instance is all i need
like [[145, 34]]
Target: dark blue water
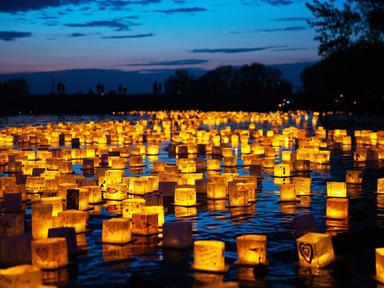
[[145, 264]]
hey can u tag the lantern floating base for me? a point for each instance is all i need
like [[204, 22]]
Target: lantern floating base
[[240, 206], [237, 264], [225, 270], [185, 205], [117, 244], [289, 201]]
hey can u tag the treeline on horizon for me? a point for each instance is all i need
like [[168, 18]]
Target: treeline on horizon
[[348, 77]]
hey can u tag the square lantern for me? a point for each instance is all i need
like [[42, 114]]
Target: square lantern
[[145, 223], [354, 177], [185, 196], [56, 202], [282, 170], [302, 165], [26, 276], [302, 186], [116, 231], [337, 208], [380, 185], [238, 194], [230, 161], [315, 250], [209, 256], [380, 265], [336, 189], [177, 235], [213, 164], [50, 253], [42, 220], [251, 249], [94, 194], [287, 193], [130, 206], [216, 190], [76, 219], [159, 209]]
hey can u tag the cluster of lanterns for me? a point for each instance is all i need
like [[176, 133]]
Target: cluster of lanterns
[[39, 163]]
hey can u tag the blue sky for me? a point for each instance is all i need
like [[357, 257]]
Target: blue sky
[[49, 35]]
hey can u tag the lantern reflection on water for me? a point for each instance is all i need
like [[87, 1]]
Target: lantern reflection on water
[[302, 186], [315, 250], [251, 249], [282, 170], [209, 255], [287, 193], [354, 177]]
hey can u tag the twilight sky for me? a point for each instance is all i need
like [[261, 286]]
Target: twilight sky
[[131, 35]]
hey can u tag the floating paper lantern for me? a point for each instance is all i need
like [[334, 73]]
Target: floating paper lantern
[[287, 192], [282, 170], [113, 252], [159, 167], [380, 264], [216, 190], [185, 196], [177, 235], [94, 194], [230, 161], [26, 276], [302, 186], [35, 184], [354, 177], [11, 224], [336, 189], [140, 185], [160, 213], [287, 156], [186, 165], [380, 185], [116, 231], [238, 194], [209, 255], [145, 223], [337, 208], [315, 250], [251, 249], [42, 220], [56, 202], [76, 219], [131, 206], [302, 165], [50, 253]]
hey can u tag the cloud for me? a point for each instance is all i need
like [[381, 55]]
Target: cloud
[[270, 2], [145, 35], [283, 19], [233, 50], [26, 5], [290, 49], [182, 10], [284, 29], [13, 35], [172, 62], [117, 24], [74, 35]]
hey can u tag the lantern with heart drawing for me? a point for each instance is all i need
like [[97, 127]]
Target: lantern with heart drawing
[[315, 250], [50, 253]]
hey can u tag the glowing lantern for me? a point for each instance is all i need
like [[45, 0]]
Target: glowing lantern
[[145, 223], [56, 202], [185, 212], [159, 167], [302, 165], [216, 190], [185, 196], [186, 165], [94, 193], [336, 189], [302, 186], [209, 256], [315, 250], [230, 161], [354, 177], [76, 219], [140, 185], [380, 185], [337, 208], [251, 249], [50, 253], [380, 264], [160, 213], [42, 220], [116, 231], [287, 192], [26, 276], [35, 184], [177, 234], [282, 170], [287, 156], [131, 206], [238, 194]]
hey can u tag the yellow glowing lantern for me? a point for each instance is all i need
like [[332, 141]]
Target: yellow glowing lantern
[[287, 192], [230, 161], [56, 202], [238, 194], [177, 234], [160, 213], [337, 208], [251, 249], [159, 167], [50, 253], [226, 151], [216, 190], [380, 264], [42, 220], [185, 196], [145, 223], [380, 185], [336, 189], [26, 276], [315, 250], [116, 191], [282, 170], [116, 231], [302, 186], [354, 177], [287, 156], [131, 206], [213, 164], [209, 256], [35, 184], [302, 165], [185, 212], [76, 219], [140, 185], [94, 194], [186, 165], [153, 149]]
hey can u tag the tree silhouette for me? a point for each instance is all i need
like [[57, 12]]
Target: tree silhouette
[[178, 83], [100, 89], [15, 87], [60, 88], [121, 90]]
